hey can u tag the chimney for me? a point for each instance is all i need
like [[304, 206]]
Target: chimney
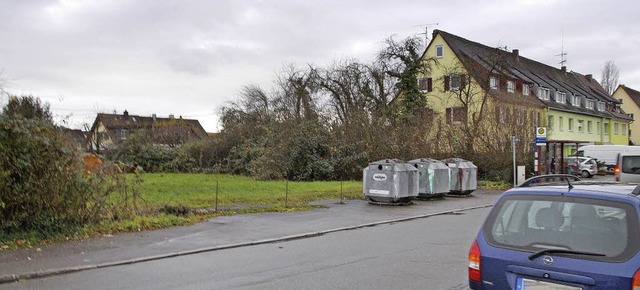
[[126, 113], [564, 68], [516, 53], [589, 77], [171, 116], [154, 117]]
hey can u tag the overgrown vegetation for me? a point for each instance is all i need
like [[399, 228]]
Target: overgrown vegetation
[[328, 123], [44, 190]]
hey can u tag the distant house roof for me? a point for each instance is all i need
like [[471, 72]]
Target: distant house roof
[[633, 94], [161, 130], [481, 58], [78, 137]]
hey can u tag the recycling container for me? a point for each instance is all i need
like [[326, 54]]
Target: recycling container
[[390, 180], [433, 177]]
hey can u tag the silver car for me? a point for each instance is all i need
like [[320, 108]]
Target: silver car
[[588, 167]]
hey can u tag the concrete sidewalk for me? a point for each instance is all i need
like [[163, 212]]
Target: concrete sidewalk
[[219, 233]]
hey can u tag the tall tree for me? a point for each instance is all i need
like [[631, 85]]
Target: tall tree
[[610, 74], [405, 63]]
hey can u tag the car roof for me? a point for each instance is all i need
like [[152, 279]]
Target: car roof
[[602, 190], [571, 185]]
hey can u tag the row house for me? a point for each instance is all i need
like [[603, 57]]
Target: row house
[[109, 130], [490, 94]]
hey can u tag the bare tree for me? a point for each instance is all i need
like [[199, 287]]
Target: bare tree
[[610, 74]]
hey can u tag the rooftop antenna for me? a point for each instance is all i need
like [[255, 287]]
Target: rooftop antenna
[[426, 30], [562, 54]]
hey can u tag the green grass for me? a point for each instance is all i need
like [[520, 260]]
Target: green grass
[[238, 192]]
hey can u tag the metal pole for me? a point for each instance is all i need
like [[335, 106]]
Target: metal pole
[[217, 189], [286, 195], [341, 199], [513, 148]]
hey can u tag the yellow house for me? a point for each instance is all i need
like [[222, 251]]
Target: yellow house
[[630, 99], [483, 95]]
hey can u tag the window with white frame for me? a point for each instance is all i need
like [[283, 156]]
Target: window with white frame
[[550, 122], [601, 106], [493, 83], [455, 115], [501, 115], [560, 123], [535, 116], [526, 90], [579, 125], [561, 97], [544, 93], [577, 101], [425, 84], [624, 129], [605, 129], [570, 124], [123, 134], [589, 104], [439, 51], [454, 82], [616, 128], [589, 126], [511, 86]]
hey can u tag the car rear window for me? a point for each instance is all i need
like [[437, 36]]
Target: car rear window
[[631, 164], [537, 222]]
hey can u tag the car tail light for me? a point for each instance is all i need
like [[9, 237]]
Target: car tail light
[[635, 284], [474, 263], [616, 170]]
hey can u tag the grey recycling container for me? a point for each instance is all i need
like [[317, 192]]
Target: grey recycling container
[[433, 177], [464, 176], [390, 180]]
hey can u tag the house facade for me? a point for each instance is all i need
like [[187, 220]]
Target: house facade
[[630, 99], [489, 94], [108, 130]]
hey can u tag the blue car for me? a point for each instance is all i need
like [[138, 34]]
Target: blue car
[[563, 234]]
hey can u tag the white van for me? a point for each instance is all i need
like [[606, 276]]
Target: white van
[[606, 154], [628, 167]]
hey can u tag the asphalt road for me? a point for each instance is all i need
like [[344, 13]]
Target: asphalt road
[[427, 253]]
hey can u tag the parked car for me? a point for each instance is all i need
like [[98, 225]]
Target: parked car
[[559, 235], [587, 166], [628, 167]]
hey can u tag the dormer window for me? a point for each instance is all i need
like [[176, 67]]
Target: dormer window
[[526, 90], [123, 134], [577, 101], [543, 93], [493, 83], [601, 106], [589, 104], [561, 97], [511, 86], [439, 51]]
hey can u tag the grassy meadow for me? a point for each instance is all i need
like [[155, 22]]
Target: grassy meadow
[[198, 191]]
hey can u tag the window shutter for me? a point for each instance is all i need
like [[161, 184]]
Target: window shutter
[[448, 115], [463, 81], [429, 84], [446, 83]]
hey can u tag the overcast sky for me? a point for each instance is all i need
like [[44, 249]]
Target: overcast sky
[[189, 58]]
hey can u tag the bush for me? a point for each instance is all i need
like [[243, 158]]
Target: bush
[[138, 150], [44, 190]]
